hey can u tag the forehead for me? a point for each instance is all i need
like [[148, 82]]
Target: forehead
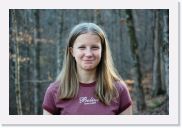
[[88, 38]]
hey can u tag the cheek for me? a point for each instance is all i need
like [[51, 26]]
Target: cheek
[[77, 55], [100, 58], [75, 52], [99, 55]]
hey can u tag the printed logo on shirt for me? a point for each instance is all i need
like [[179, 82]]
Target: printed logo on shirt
[[86, 100]]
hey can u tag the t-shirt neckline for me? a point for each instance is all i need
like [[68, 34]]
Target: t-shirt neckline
[[87, 84]]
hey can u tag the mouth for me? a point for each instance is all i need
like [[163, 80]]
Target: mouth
[[88, 61]]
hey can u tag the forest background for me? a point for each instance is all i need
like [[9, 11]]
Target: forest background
[[139, 41]]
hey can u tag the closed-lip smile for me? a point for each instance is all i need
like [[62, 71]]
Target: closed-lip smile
[[87, 60]]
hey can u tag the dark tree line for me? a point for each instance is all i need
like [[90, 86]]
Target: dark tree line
[[139, 44]]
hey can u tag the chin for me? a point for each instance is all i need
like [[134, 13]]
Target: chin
[[89, 68]]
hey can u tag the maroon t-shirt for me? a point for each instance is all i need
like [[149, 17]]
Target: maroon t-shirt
[[86, 102]]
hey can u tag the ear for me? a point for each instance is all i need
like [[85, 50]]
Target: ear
[[71, 51]]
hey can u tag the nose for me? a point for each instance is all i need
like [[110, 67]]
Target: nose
[[88, 52]]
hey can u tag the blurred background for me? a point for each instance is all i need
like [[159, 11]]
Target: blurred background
[[139, 41]]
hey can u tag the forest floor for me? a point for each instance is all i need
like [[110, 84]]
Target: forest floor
[[158, 105]]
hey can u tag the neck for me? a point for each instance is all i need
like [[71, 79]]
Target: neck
[[87, 76]]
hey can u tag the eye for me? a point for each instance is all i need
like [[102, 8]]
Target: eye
[[95, 47], [81, 47]]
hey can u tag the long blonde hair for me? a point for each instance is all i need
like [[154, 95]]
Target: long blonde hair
[[106, 73]]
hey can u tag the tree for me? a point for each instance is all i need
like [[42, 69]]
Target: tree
[[17, 66], [136, 72], [36, 65], [161, 57], [164, 50], [59, 52]]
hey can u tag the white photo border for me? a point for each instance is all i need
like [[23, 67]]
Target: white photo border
[[171, 119]]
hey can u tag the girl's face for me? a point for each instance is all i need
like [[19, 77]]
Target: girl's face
[[87, 51]]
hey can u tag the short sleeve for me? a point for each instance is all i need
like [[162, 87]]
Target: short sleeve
[[49, 102], [125, 98]]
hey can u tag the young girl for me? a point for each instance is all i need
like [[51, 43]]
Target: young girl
[[88, 83]]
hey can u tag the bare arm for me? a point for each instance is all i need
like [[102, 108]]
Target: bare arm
[[45, 112], [127, 111]]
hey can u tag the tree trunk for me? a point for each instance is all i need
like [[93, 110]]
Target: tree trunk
[[164, 50], [157, 83], [59, 41], [36, 56], [97, 16], [136, 71], [17, 67]]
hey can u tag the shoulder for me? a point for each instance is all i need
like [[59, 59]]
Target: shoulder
[[124, 96], [50, 98], [121, 85], [53, 87]]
